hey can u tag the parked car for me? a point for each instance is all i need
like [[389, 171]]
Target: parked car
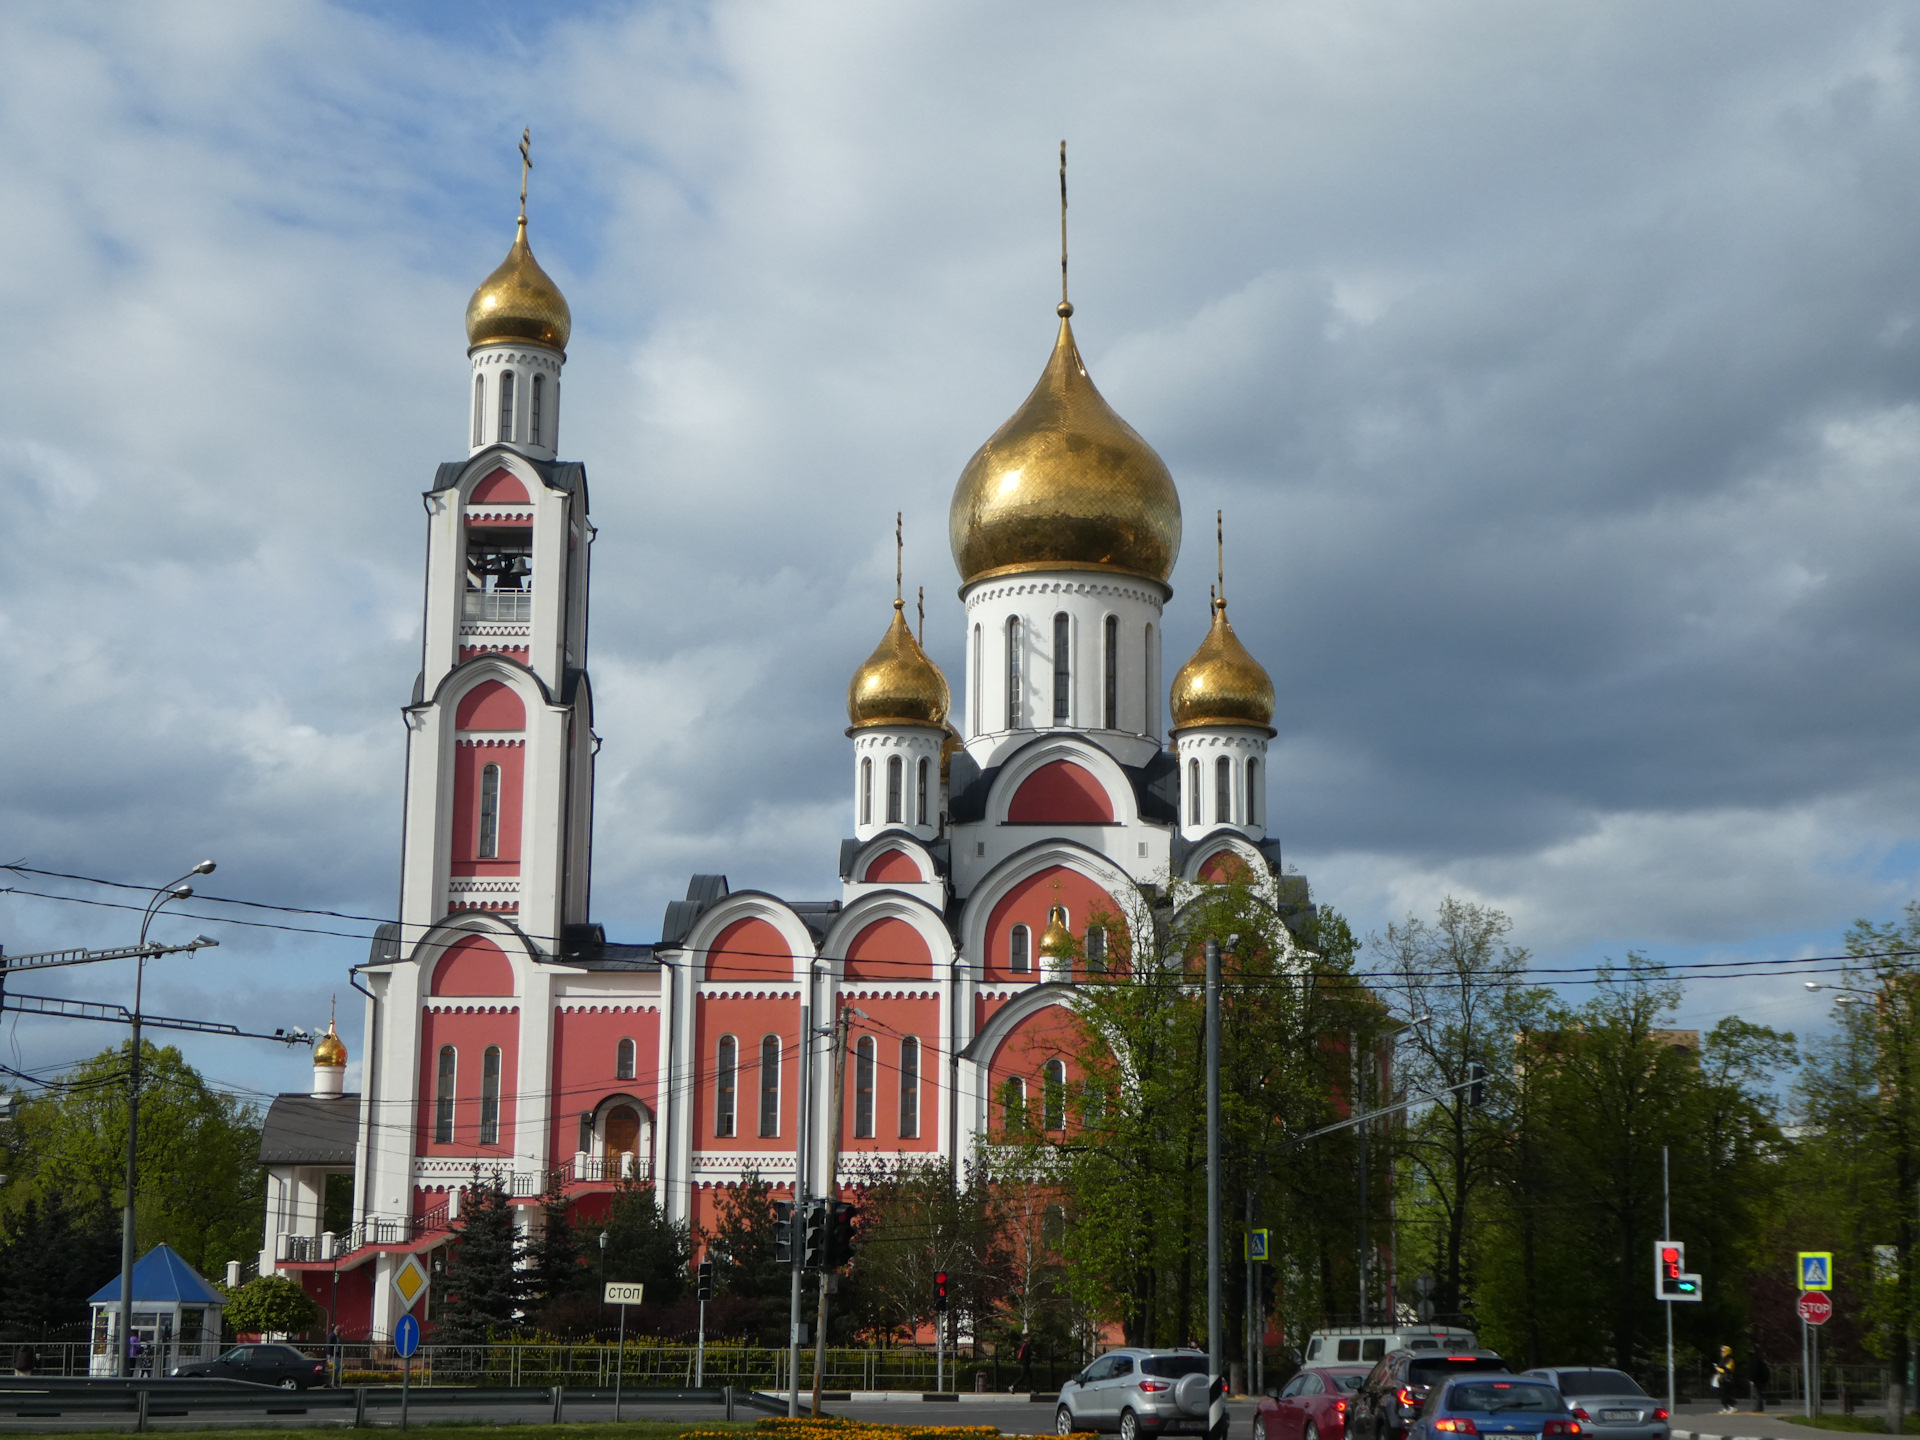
[[1495, 1405], [280, 1365], [1313, 1406], [1395, 1390], [1364, 1344], [1136, 1393], [1608, 1403]]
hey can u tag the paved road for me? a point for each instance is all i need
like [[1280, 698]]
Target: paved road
[[382, 1417], [1011, 1416]]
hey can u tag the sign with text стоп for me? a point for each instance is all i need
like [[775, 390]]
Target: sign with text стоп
[[619, 1294]]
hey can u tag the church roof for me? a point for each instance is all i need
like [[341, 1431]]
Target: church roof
[[301, 1130], [161, 1276]]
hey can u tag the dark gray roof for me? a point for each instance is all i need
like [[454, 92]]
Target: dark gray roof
[[301, 1130], [703, 892], [385, 946], [567, 475], [588, 947]]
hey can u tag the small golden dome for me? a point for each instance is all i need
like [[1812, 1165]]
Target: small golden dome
[[1056, 940], [1065, 484], [898, 684], [1222, 684], [331, 1050], [519, 302]]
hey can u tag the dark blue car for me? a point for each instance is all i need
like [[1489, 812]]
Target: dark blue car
[[1494, 1405]]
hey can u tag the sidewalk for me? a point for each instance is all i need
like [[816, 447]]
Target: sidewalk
[[1706, 1423]]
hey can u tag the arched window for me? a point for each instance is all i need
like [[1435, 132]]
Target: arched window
[[1150, 701], [479, 411], [1193, 792], [770, 1086], [490, 813], [1112, 659], [726, 1063], [1053, 1227], [863, 1058], [490, 1096], [866, 790], [1254, 807], [1013, 1104], [909, 1088], [920, 816], [1020, 950], [973, 689], [1013, 673], [443, 1098], [586, 1133], [1062, 671], [533, 409], [1097, 949], [896, 783], [506, 406], [1053, 1109], [1223, 791], [623, 1061]]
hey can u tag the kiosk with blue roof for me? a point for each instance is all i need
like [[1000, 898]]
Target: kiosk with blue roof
[[176, 1315]]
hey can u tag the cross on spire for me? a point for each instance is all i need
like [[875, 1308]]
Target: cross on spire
[[526, 164], [1065, 307], [1220, 555], [898, 544]]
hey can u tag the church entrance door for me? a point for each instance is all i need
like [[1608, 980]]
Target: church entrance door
[[623, 1136]]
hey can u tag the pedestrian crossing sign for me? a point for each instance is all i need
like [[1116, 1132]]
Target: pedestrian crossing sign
[[1257, 1244], [1816, 1269]]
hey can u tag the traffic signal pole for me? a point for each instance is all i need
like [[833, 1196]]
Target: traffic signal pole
[[1666, 1228], [798, 1243], [1216, 1370], [832, 1187]]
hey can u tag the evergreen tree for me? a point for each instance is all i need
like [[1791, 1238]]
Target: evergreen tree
[[645, 1247], [484, 1282], [50, 1261], [742, 1248], [558, 1271]]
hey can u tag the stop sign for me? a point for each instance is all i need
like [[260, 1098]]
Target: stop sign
[[1816, 1307]]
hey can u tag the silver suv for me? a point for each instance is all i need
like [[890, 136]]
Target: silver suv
[[1137, 1393]]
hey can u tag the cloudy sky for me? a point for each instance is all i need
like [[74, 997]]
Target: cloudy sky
[[1556, 368]]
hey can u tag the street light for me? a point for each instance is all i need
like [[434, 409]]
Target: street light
[[173, 890]]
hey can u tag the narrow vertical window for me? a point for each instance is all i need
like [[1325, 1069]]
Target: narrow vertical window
[[896, 784], [1053, 1099], [1112, 659], [479, 411], [443, 1098], [1019, 952], [623, 1061], [1013, 1104], [909, 1089], [1151, 699], [586, 1133], [1193, 792], [1223, 791], [973, 689], [538, 394], [1053, 1228], [770, 1087], [490, 1096], [506, 406], [1254, 807], [866, 790], [1013, 673], [1062, 669], [863, 1058], [920, 815], [490, 813], [1097, 949], [726, 1064]]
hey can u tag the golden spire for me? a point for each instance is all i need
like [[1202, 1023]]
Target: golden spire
[[518, 302], [331, 1050], [1056, 940], [898, 684], [1222, 684]]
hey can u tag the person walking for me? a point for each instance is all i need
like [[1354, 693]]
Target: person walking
[[1024, 1354], [1724, 1379], [1760, 1374]]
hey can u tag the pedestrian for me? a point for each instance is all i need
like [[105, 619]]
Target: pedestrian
[[1024, 1380], [1723, 1379], [25, 1362], [133, 1353], [1760, 1374], [334, 1352]]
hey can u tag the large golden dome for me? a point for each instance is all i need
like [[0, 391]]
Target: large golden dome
[[331, 1050], [1222, 684], [519, 302], [1065, 484], [898, 684]]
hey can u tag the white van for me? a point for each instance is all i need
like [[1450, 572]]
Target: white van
[[1364, 1344]]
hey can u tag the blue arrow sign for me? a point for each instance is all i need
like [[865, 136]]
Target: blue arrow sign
[[406, 1336]]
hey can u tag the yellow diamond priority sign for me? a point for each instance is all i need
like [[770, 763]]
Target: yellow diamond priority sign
[[409, 1280]]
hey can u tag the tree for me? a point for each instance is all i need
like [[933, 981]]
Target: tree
[[915, 1223], [558, 1272], [484, 1286], [271, 1305], [645, 1247], [50, 1261], [743, 1247]]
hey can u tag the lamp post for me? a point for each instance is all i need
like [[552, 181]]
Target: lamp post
[[174, 890]]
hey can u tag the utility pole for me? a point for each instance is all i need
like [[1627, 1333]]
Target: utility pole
[[1359, 1104], [799, 1241], [1666, 1228], [1217, 1383], [839, 1032]]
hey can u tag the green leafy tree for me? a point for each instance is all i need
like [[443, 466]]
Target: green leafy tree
[[915, 1223], [485, 1286], [51, 1260], [645, 1246], [742, 1247], [271, 1305]]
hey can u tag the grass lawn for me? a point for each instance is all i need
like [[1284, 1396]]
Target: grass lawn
[[1856, 1424]]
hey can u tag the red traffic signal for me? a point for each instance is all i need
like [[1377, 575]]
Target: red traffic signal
[[940, 1290], [1670, 1262]]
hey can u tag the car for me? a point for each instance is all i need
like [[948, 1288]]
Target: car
[[1394, 1391], [1494, 1405], [1609, 1404], [280, 1365], [1136, 1393], [1312, 1406]]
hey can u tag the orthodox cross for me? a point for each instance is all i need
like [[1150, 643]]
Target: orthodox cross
[[1066, 305], [526, 164]]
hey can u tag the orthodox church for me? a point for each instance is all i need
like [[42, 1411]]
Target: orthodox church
[[996, 853]]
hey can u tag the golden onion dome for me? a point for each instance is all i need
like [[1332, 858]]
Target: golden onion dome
[[1222, 684], [1065, 484], [519, 302], [1056, 940], [898, 684], [331, 1050]]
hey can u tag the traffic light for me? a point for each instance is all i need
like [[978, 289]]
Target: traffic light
[[1263, 1288], [1477, 1092], [816, 1234], [783, 1231], [940, 1290], [840, 1234], [703, 1287], [1671, 1280]]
